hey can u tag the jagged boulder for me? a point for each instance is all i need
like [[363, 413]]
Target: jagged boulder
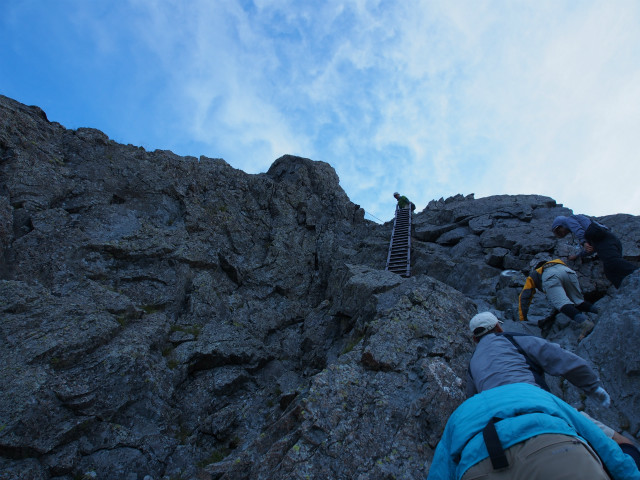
[[378, 411], [481, 237], [613, 348]]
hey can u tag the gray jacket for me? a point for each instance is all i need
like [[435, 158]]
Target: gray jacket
[[497, 361]]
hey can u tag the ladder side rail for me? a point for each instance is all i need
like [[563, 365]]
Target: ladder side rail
[[409, 246], [399, 253], [395, 219]]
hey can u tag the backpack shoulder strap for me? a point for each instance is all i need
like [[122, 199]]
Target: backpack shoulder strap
[[536, 369]]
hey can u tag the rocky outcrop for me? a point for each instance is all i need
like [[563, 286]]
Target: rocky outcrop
[[613, 346], [171, 317], [156, 309], [375, 411]]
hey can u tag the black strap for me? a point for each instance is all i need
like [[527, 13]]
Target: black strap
[[536, 369], [494, 447]]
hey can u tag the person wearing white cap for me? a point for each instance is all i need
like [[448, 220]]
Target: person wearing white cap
[[502, 358]]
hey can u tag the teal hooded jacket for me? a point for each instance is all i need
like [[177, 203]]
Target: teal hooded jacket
[[527, 411]]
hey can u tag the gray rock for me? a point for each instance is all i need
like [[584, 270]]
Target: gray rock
[[613, 348], [453, 237], [406, 366], [496, 256], [173, 317], [430, 233]]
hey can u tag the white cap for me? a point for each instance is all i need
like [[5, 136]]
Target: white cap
[[483, 323]]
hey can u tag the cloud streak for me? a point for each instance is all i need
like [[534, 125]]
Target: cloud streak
[[427, 98]]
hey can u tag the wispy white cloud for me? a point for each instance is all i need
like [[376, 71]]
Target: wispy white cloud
[[431, 98], [567, 136]]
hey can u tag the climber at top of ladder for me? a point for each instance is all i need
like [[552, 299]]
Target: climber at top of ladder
[[399, 255], [403, 201]]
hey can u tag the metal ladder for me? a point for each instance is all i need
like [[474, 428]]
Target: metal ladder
[[399, 256]]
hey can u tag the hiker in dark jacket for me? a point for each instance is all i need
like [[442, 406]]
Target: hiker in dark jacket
[[560, 285], [595, 237]]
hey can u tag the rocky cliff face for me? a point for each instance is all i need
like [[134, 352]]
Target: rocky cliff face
[[172, 317]]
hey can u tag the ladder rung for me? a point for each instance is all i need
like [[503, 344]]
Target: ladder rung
[[399, 254]]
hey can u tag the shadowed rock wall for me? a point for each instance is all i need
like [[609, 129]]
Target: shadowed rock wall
[[174, 317]]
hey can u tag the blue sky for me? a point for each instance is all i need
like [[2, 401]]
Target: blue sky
[[429, 98]]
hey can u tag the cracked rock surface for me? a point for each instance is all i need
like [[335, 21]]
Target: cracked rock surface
[[171, 317]]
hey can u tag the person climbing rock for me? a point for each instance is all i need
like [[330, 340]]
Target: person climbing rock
[[595, 237], [502, 358], [519, 431], [560, 285], [403, 202]]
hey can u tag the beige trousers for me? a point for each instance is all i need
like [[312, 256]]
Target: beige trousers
[[561, 286], [544, 457]]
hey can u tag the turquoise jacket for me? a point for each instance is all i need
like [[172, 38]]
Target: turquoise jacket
[[527, 411]]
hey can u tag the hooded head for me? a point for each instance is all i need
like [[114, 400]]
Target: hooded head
[[559, 221]]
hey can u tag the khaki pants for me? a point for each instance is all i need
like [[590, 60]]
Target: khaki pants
[[544, 457], [561, 286]]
